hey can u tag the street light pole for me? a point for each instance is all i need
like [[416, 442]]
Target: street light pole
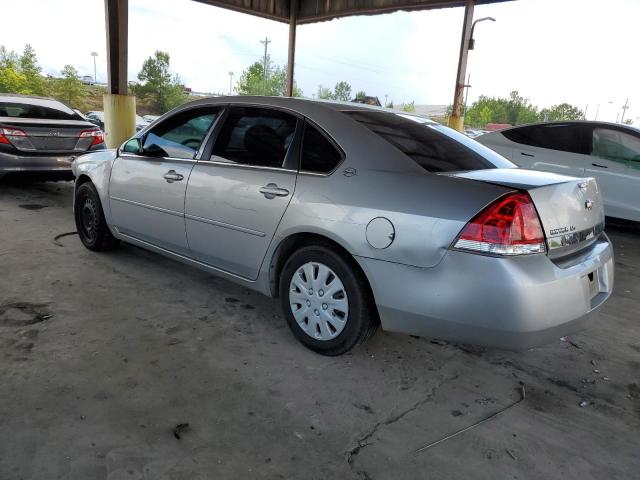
[[95, 77], [230, 81]]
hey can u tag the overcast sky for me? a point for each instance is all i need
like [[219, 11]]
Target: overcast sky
[[551, 51]]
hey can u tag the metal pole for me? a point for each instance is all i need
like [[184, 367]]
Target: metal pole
[[230, 81], [95, 76], [466, 95], [457, 120], [624, 109], [266, 43], [293, 20]]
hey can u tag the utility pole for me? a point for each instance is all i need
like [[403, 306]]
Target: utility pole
[[266, 43], [625, 107], [230, 81], [597, 110], [95, 77], [466, 95]]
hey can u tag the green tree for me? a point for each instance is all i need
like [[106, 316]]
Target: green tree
[[628, 121], [389, 104], [325, 93], [360, 94], [409, 107], [563, 111], [514, 110], [342, 91], [70, 88], [29, 67], [157, 86], [253, 81], [11, 79]]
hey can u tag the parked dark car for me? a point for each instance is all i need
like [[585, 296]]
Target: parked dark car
[[97, 118], [43, 135]]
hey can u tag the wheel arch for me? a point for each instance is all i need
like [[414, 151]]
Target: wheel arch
[[295, 241]]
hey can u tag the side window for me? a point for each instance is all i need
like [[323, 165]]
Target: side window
[[615, 145], [318, 153], [180, 136], [563, 137], [255, 136]]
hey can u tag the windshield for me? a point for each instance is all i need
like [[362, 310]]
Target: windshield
[[434, 147], [43, 110]]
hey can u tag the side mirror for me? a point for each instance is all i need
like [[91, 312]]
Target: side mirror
[[133, 145]]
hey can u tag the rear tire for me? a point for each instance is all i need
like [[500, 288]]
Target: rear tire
[[326, 300], [92, 227]]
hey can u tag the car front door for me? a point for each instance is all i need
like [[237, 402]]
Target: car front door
[[238, 193], [615, 164], [149, 179]]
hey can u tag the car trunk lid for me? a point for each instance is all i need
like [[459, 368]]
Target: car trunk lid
[[570, 209], [48, 136]]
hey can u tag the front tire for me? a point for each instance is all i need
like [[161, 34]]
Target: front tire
[[90, 223], [326, 300]]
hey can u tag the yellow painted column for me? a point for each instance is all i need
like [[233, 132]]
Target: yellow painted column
[[457, 123], [119, 118]]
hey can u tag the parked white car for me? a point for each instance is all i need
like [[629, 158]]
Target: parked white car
[[608, 152]]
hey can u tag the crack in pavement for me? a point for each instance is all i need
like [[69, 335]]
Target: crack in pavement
[[361, 441]]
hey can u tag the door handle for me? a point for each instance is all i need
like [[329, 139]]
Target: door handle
[[599, 166], [171, 176], [271, 190], [527, 154]]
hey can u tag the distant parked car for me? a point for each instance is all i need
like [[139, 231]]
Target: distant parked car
[[43, 135], [150, 118], [97, 118], [352, 215], [609, 152], [87, 80]]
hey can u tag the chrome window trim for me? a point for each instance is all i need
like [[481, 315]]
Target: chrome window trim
[[133, 156], [150, 207], [242, 165], [225, 225]]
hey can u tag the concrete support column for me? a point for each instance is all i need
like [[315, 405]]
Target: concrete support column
[[293, 20], [119, 118], [456, 120], [119, 107]]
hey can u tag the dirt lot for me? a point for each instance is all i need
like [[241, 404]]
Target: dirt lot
[[102, 355]]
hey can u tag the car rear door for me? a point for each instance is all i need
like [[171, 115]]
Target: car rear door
[[615, 164], [240, 188], [551, 147], [147, 186]]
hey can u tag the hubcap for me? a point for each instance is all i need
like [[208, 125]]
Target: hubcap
[[89, 218], [318, 301]]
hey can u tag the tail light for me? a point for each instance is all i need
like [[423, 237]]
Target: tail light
[[10, 132], [508, 226], [96, 135]]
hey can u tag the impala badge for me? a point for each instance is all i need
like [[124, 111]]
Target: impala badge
[[588, 204], [54, 133]]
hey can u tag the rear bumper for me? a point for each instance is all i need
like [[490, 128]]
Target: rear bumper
[[12, 162], [512, 303]]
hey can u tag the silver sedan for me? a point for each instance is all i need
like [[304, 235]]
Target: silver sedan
[[355, 217]]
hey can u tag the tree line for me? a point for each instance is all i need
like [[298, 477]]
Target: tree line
[[516, 110]]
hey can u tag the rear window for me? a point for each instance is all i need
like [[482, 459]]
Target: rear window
[[45, 110], [572, 138], [433, 147]]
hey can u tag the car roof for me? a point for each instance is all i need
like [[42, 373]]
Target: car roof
[[301, 105], [575, 122]]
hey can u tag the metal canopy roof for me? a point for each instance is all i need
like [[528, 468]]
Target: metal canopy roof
[[310, 11]]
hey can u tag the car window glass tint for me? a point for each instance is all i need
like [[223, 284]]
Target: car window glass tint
[[432, 150], [180, 135], [255, 136], [615, 145], [49, 110], [563, 137], [318, 153]]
